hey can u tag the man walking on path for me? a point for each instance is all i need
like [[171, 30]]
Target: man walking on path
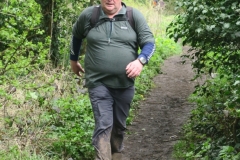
[[111, 65]]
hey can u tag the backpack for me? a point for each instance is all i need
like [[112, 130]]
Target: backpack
[[94, 22]]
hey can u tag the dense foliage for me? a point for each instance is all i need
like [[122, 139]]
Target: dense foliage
[[21, 52], [34, 96], [45, 112], [209, 27], [212, 28], [58, 17]]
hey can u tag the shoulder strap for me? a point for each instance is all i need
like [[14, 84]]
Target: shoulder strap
[[131, 21], [93, 20], [95, 16], [129, 14]]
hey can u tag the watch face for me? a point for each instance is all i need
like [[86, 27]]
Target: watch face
[[143, 60]]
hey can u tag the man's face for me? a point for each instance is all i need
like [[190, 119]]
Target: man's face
[[111, 7]]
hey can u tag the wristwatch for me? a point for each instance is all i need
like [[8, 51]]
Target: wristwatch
[[142, 60]]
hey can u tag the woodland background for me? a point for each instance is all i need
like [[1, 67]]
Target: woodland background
[[45, 111]]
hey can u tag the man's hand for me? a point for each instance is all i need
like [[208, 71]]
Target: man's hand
[[76, 67], [134, 69]]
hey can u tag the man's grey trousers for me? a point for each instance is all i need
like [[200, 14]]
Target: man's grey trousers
[[111, 109]]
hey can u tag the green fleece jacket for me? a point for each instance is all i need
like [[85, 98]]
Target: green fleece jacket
[[111, 46]]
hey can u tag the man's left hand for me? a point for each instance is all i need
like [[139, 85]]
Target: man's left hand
[[134, 69]]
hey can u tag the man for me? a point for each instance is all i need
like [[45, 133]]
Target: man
[[111, 65]]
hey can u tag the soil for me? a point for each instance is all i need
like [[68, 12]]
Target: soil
[[162, 114]]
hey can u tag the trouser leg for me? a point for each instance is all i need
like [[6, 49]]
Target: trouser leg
[[111, 109], [122, 100], [102, 103]]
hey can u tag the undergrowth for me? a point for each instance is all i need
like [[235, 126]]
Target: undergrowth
[[45, 111], [212, 131]]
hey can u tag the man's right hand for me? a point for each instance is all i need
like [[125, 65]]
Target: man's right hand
[[76, 67]]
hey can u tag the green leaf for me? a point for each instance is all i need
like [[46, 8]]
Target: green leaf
[[198, 30], [226, 25], [33, 95], [210, 27], [204, 11], [236, 83], [237, 34], [195, 9]]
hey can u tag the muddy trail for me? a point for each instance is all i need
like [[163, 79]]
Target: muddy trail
[[162, 114]]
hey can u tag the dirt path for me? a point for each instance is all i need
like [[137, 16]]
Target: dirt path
[[162, 114]]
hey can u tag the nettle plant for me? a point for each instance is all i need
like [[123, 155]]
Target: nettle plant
[[212, 29]]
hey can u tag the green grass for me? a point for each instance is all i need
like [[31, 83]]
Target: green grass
[[15, 154]]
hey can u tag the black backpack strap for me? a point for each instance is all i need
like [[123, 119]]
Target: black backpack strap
[[95, 16], [94, 19], [129, 14]]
